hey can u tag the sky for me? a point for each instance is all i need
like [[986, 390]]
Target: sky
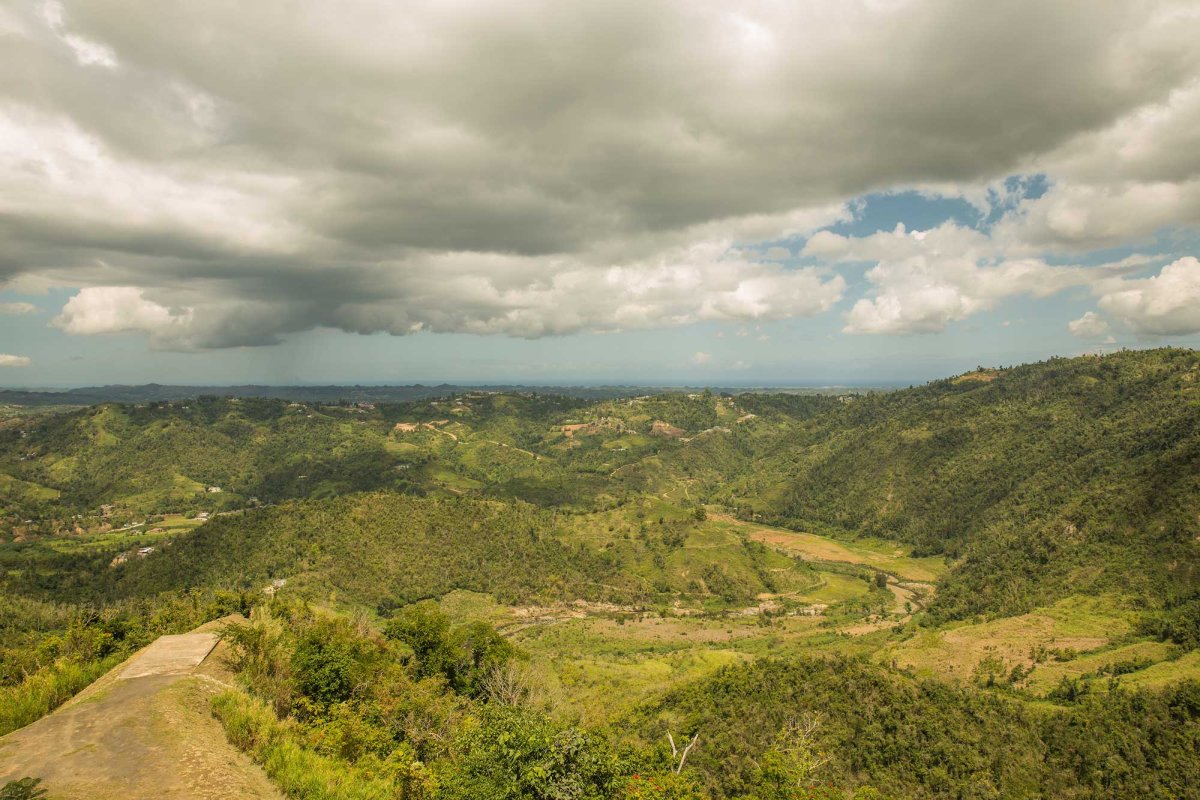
[[693, 193]]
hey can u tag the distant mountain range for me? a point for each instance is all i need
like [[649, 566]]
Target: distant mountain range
[[150, 392]]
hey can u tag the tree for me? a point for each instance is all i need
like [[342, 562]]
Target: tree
[[329, 662], [794, 760], [465, 655], [514, 754]]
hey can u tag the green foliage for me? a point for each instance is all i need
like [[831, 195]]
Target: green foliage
[[926, 739], [465, 655], [668, 786], [377, 548], [328, 662], [22, 789], [793, 763], [1178, 622], [1038, 481], [424, 628], [513, 754], [47, 689], [728, 587], [1070, 477], [301, 772], [339, 709]]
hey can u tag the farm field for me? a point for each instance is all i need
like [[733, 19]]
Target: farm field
[[890, 557]]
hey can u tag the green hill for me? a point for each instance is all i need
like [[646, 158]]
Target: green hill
[[1036, 481], [1040, 481], [376, 548]]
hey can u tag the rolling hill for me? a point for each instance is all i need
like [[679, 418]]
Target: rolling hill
[[985, 586]]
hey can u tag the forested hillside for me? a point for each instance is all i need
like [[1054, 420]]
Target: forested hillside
[[927, 739], [1042, 480], [380, 548]]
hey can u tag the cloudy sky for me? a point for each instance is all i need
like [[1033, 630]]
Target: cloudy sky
[[667, 192]]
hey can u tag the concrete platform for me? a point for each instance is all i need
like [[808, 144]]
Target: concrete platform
[[168, 655]]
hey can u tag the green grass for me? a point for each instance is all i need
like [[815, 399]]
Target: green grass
[[835, 588], [1047, 675], [46, 690], [180, 488], [140, 536], [1075, 625], [1186, 667], [466, 606], [299, 772], [402, 448], [891, 557], [452, 480], [601, 666], [25, 489]]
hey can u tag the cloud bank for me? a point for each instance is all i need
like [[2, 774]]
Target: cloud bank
[[223, 174]]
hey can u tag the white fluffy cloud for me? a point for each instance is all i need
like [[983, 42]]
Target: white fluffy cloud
[[922, 294], [17, 308], [14, 361], [216, 175], [1090, 326], [1080, 217], [923, 280], [116, 309], [1167, 304]]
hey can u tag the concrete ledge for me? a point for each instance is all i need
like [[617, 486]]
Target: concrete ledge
[[170, 654]]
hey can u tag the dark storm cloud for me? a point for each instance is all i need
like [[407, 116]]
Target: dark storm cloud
[[223, 173]]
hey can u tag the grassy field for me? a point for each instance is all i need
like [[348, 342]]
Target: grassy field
[[1046, 676], [25, 489], [600, 660], [1069, 627], [1165, 672], [595, 662], [888, 557]]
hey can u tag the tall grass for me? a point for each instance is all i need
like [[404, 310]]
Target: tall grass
[[300, 773], [46, 690]]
